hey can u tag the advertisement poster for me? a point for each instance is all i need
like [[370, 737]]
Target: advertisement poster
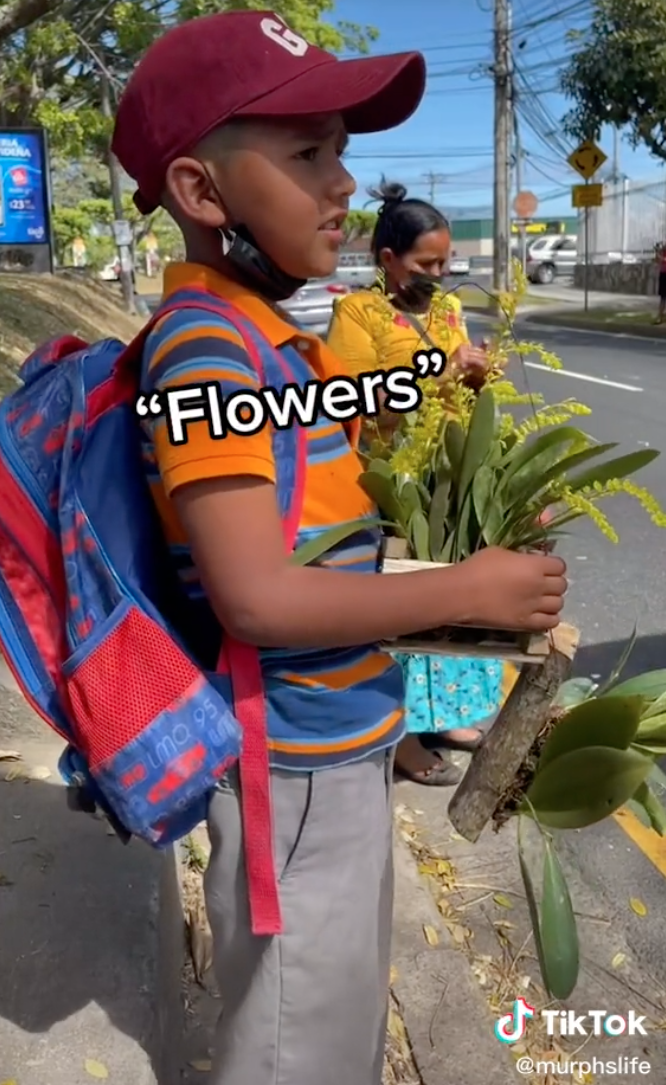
[[24, 218]]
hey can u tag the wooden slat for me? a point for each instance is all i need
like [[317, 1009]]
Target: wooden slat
[[534, 650], [510, 653]]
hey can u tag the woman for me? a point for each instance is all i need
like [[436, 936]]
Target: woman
[[448, 697], [661, 283]]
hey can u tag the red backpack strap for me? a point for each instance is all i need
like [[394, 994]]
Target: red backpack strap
[[242, 663]]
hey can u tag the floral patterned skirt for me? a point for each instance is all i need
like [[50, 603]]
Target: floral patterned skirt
[[447, 692]]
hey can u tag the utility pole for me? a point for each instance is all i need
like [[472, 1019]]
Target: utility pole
[[432, 180], [123, 243], [616, 177], [518, 168], [502, 74]]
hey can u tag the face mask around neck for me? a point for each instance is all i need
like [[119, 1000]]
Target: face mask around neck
[[256, 269]]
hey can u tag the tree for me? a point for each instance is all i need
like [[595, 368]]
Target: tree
[[617, 74], [52, 72], [359, 224], [16, 15]]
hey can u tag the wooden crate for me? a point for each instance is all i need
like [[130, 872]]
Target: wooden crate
[[514, 648]]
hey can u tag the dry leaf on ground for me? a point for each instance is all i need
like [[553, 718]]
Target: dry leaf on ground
[[9, 755], [39, 772], [203, 1066], [618, 960], [431, 935], [638, 907], [96, 1069], [502, 900]]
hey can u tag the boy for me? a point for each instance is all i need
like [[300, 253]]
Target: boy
[[237, 126]]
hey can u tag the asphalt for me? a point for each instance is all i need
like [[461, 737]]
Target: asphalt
[[613, 587]]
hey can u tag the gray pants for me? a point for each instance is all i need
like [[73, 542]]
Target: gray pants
[[308, 1007]]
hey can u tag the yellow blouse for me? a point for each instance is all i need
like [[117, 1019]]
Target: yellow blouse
[[368, 333]]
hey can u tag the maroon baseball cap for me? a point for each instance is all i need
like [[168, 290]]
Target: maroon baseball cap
[[247, 64]]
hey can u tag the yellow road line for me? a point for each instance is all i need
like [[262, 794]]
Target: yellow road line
[[650, 843]]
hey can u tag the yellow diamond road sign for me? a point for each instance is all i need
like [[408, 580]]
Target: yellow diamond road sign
[[586, 159]]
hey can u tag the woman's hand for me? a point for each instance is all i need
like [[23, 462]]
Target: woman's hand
[[470, 365]]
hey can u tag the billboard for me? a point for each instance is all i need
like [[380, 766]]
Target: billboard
[[24, 200]]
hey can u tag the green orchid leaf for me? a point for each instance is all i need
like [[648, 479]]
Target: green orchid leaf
[[598, 722], [585, 786], [620, 467], [559, 934], [321, 544]]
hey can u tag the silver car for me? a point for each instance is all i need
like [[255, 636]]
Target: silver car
[[311, 307], [550, 256], [356, 269]]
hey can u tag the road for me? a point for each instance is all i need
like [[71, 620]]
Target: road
[[623, 381]]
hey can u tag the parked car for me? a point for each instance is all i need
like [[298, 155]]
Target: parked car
[[551, 255], [458, 265], [111, 273], [312, 306], [356, 269]]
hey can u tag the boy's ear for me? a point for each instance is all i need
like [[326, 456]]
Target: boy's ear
[[193, 194]]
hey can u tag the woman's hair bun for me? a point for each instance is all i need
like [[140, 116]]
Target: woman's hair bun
[[388, 192]]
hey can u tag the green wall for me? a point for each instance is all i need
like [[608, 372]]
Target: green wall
[[482, 229]]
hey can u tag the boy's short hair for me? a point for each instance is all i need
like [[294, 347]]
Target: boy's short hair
[[247, 64]]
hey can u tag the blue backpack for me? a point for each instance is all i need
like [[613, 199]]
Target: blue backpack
[[93, 622]]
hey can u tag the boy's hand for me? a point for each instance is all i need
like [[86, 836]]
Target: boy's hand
[[515, 591]]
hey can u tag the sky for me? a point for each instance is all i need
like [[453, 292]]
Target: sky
[[451, 133]]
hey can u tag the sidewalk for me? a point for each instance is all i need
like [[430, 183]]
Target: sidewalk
[[83, 929], [482, 906]]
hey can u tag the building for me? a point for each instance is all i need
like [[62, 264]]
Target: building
[[474, 236], [472, 231]]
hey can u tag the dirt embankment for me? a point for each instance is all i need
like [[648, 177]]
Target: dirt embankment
[[36, 308]]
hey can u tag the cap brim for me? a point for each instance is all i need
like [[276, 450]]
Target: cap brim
[[373, 94]]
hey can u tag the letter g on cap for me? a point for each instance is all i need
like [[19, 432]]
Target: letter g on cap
[[282, 35]]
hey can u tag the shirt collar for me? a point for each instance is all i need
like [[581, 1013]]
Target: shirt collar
[[184, 275]]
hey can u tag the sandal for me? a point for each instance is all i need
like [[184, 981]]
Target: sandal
[[445, 774], [439, 741]]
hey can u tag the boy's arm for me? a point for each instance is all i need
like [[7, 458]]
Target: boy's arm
[[224, 495], [236, 536]]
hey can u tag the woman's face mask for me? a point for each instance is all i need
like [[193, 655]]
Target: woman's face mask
[[419, 288]]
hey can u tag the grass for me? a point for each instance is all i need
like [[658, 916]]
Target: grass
[[603, 317], [36, 308]]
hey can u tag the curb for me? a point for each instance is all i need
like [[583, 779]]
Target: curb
[[443, 1008], [168, 1055], [555, 320]]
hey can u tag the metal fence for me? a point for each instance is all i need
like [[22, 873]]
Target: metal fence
[[629, 224]]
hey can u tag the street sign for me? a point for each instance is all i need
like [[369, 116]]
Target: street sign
[[122, 233], [525, 205], [586, 159], [587, 195]]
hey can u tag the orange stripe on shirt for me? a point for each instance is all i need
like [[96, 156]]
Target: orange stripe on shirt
[[345, 677], [338, 747]]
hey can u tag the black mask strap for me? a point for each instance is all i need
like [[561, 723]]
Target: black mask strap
[[256, 269]]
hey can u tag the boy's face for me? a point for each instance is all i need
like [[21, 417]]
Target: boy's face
[[283, 179]]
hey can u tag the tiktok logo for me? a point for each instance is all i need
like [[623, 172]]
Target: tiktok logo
[[511, 1028]]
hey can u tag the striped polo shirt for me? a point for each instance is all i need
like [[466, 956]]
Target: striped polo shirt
[[324, 706]]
